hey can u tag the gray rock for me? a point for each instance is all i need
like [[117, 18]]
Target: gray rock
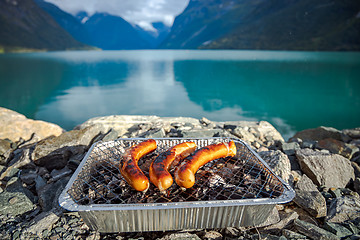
[[155, 133], [286, 220], [337, 229], [356, 169], [43, 221], [292, 235], [49, 194], [204, 133], [265, 236], [180, 236], [39, 183], [212, 235], [279, 163], [357, 185], [308, 144], [354, 237], [55, 152], [312, 231], [15, 203], [352, 133], [232, 232], [290, 148], [352, 227], [309, 198], [337, 147], [329, 170], [273, 219], [6, 147], [22, 158], [28, 176], [320, 133], [57, 174], [343, 208]]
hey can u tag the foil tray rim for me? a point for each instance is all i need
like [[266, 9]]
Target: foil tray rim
[[66, 202]]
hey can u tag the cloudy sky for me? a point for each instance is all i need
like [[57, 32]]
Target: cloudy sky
[[141, 12]]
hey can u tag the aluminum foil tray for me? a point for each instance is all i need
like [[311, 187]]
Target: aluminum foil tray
[[238, 191]]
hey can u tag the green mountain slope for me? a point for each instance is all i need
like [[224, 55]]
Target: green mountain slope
[[270, 24], [24, 25]]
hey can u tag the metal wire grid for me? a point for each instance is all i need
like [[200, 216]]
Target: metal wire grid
[[241, 177]]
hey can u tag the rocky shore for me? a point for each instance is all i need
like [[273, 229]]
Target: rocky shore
[[38, 158]]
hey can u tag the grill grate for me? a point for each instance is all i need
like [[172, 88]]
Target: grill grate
[[241, 177]]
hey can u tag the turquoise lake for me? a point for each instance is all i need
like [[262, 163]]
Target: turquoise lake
[[291, 90]]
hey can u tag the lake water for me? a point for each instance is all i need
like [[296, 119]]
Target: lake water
[[291, 90]]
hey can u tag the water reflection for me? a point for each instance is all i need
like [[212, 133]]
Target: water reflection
[[292, 90]]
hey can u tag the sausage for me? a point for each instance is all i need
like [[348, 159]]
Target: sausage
[[159, 174], [130, 169], [185, 172]]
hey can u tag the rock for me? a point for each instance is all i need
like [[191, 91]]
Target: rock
[[204, 133], [273, 218], [15, 126], [290, 148], [286, 220], [292, 235], [309, 198], [356, 169], [155, 133], [337, 147], [329, 170], [337, 229], [43, 221], [15, 203], [313, 232], [357, 185], [49, 194], [57, 174], [265, 236], [212, 235], [232, 232], [278, 162], [6, 147], [308, 144], [22, 158], [28, 176], [343, 208], [180, 236], [352, 133], [55, 152], [320, 133]]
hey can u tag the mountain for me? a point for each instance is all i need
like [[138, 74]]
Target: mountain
[[24, 25], [267, 24], [67, 21]]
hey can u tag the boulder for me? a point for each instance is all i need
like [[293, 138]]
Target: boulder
[[320, 133], [343, 208], [352, 133], [6, 147], [49, 194], [337, 147], [337, 229], [329, 170], [279, 163], [54, 152], [15, 126], [309, 198], [290, 148]]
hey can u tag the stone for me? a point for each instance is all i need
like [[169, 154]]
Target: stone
[[55, 152], [292, 235], [352, 227], [343, 208], [290, 148], [15, 126], [308, 144], [337, 147], [15, 203], [286, 220], [43, 221], [329, 170], [204, 133], [356, 169], [57, 174], [273, 218], [155, 133], [180, 236], [279, 163], [320, 133], [6, 147], [352, 133], [265, 236], [21, 159], [312, 231], [309, 198], [49, 194], [337, 229], [212, 235], [232, 232], [357, 185], [28, 176]]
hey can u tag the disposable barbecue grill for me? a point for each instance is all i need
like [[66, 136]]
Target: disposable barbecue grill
[[234, 191]]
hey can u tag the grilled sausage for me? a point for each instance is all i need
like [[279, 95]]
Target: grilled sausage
[[185, 172], [159, 174], [130, 169]]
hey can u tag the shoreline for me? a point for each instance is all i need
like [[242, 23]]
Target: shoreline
[[38, 158]]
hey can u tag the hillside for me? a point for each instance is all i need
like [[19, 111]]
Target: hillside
[[25, 26], [271, 25]]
